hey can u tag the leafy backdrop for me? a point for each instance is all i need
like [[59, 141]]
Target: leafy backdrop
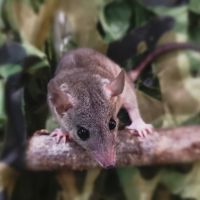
[[35, 33]]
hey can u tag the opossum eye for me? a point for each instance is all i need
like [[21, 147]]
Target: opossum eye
[[83, 133], [112, 124]]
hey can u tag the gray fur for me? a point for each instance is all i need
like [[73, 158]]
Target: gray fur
[[80, 74]]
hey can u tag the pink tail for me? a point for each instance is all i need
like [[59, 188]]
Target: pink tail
[[134, 74]]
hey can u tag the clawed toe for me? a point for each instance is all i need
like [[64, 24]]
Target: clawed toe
[[60, 135], [141, 130]]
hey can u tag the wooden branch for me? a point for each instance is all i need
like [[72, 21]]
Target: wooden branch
[[164, 146]]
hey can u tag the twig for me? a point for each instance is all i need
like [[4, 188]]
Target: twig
[[164, 146]]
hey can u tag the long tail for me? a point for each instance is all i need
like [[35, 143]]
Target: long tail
[[134, 74]]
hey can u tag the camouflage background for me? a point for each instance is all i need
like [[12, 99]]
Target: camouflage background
[[35, 33]]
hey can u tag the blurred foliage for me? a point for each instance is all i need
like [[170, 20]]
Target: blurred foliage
[[35, 33]]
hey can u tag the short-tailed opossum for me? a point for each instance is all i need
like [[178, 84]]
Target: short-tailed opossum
[[86, 94]]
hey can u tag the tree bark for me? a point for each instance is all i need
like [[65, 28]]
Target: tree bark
[[163, 146]]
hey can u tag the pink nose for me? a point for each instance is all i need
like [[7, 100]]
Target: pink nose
[[106, 160]]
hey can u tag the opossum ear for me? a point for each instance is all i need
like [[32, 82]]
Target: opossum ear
[[116, 87], [58, 98]]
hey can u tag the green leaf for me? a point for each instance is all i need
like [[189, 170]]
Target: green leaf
[[194, 6], [9, 69], [194, 26], [180, 14], [115, 19]]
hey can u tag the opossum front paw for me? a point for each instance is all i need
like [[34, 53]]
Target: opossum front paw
[[60, 135], [140, 129]]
